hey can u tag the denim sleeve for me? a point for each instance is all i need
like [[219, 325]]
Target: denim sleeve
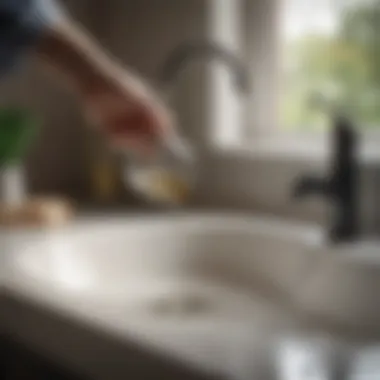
[[22, 22]]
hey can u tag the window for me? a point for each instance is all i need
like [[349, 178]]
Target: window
[[331, 48]]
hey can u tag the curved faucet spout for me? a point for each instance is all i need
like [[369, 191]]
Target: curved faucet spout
[[184, 53]]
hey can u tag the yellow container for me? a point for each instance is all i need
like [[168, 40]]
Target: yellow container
[[105, 182]]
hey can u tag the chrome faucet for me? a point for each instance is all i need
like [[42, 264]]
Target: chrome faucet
[[181, 55]]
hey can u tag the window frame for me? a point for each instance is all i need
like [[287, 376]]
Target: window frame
[[263, 44]]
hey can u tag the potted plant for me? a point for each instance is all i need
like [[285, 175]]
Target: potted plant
[[17, 132]]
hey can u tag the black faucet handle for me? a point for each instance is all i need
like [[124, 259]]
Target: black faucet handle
[[344, 129]]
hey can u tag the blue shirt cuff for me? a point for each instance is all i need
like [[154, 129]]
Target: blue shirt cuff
[[44, 13], [26, 22]]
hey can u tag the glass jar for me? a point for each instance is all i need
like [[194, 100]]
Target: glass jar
[[167, 177]]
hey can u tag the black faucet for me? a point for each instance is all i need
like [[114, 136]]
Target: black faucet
[[185, 52], [340, 187]]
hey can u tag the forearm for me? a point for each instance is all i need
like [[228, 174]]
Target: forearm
[[72, 51], [76, 54], [42, 26]]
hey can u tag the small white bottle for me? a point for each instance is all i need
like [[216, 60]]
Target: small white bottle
[[13, 184]]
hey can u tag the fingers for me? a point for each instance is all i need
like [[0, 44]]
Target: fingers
[[132, 144], [133, 123], [102, 108]]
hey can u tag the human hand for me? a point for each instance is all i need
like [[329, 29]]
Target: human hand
[[128, 113], [125, 108]]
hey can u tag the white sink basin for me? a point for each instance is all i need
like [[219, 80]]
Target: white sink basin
[[206, 266], [191, 283], [213, 291], [197, 287], [119, 259]]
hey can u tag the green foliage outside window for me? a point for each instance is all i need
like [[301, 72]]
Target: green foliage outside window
[[344, 68]]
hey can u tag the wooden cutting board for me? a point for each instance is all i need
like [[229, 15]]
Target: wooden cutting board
[[37, 212]]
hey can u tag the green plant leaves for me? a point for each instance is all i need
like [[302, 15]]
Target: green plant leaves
[[17, 132]]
